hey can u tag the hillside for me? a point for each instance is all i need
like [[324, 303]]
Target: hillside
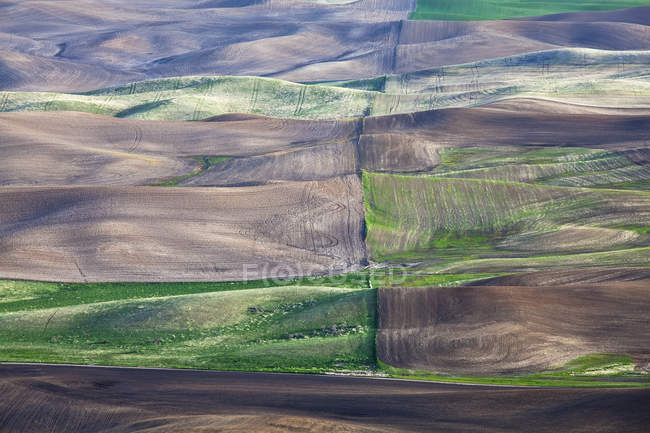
[[497, 330], [160, 234], [227, 329], [257, 190], [615, 79]]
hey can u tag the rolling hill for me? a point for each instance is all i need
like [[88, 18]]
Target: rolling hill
[[331, 187]]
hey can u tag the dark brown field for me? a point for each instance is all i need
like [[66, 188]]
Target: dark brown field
[[81, 399], [522, 122], [561, 277], [492, 329]]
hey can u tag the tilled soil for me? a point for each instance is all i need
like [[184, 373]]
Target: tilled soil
[[91, 43], [181, 234], [492, 329], [82, 399]]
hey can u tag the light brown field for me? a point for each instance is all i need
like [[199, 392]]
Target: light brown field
[[181, 234], [63, 148], [90, 44]]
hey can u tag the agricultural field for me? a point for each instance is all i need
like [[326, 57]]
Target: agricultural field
[[494, 330], [578, 76], [471, 10], [471, 217], [283, 328], [128, 399], [159, 233], [264, 215]]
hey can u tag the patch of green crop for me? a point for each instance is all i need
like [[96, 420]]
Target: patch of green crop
[[34, 295], [406, 277], [560, 378], [574, 75], [617, 258], [468, 10], [636, 185], [306, 329], [642, 229], [16, 290], [599, 364], [443, 218], [377, 84], [206, 163], [411, 216], [195, 98], [560, 166]]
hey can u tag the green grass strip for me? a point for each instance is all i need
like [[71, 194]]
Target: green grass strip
[[471, 10]]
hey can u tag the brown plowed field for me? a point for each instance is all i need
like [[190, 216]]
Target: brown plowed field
[[492, 329], [521, 122], [81, 399], [311, 163], [65, 148], [180, 234], [570, 276], [91, 43], [115, 233]]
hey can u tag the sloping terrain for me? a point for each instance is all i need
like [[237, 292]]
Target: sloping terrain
[[494, 329], [615, 79], [507, 150], [176, 234], [92, 44], [232, 326], [63, 148], [324, 186], [574, 75], [467, 216], [74, 399], [427, 44]]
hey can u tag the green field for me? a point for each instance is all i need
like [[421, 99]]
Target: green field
[[461, 219], [574, 166], [206, 162], [197, 98], [469, 10], [575, 75], [587, 371], [285, 328]]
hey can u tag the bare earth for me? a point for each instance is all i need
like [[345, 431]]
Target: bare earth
[[65, 148], [181, 234], [492, 329], [81, 399], [96, 43]]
